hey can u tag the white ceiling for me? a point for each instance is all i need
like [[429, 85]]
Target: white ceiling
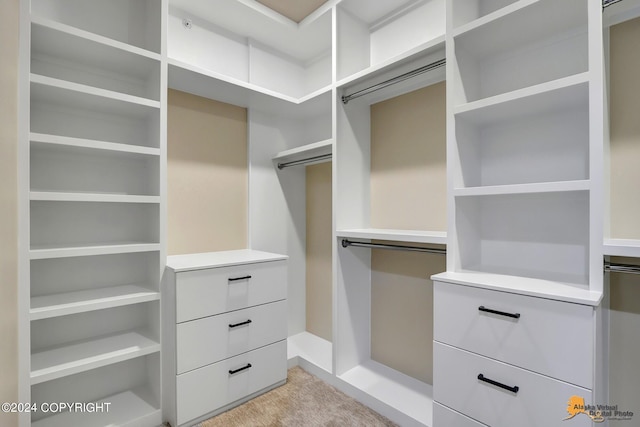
[[296, 10]]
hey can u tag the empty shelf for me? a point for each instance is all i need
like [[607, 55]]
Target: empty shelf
[[91, 197], [89, 250], [124, 408], [43, 307], [63, 361], [538, 187], [622, 247], [90, 144]]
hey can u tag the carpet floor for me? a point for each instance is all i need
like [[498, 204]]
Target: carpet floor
[[305, 400]]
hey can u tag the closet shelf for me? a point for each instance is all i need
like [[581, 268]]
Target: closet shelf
[[402, 392], [622, 247], [493, 16], [63, 86], [410, 56], [321, 148], [538, 187], [50, 252], [79, 143], [86, 35], [567, 90], [47, 306], [198, 81], [91, 197], [125, 408], [524, 286], [83, 356], [526, 22], [409, 236], [54, 42]]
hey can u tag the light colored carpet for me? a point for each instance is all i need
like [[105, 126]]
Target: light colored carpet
[[304, 400]]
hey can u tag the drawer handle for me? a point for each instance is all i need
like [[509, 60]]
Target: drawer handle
[[513, 389], [235, 325], [501, 313], [235, 371], [235, 279]]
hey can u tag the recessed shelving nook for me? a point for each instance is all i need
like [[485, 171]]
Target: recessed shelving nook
[[249, 46], [94, 206]]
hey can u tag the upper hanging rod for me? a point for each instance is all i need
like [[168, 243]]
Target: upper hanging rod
[[607, 3], [304, 161], [347, 243], [394, 80], [621, 268]]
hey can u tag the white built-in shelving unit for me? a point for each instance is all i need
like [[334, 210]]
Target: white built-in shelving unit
[[524, 170], [525, 146], [94, 203]]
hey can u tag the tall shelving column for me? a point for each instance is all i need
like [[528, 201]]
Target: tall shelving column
[[525, 144], [93, 202]]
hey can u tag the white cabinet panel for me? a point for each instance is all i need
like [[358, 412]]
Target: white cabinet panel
[[538, 401], [533, 341], [208, 292], [207, 389], [204, 341]]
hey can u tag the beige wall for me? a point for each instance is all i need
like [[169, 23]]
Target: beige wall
[[408, 161], [625, 215], [625, 130], [318, 251], [402, 310], [408, 191], [9, 19], [207, 175]]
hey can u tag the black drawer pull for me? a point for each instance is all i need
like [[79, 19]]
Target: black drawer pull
[[513, 389], [235, 371], [235, 325], [501, 313], [235, 279]]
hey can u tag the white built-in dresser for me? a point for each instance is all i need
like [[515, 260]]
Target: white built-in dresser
[[225, 330]]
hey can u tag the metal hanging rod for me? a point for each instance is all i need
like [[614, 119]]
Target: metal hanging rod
[[346, 243], [607, 3], [304, 161], [613, 267], [394, 80]]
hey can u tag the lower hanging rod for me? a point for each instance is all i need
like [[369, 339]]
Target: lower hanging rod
[[304, 161], [394, 80], [346, 243], [613, 267]]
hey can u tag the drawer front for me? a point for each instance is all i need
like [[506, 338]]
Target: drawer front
[[205, 341], [445, 417], [540, 401], [550, 337], [209, 388], [205, 293]]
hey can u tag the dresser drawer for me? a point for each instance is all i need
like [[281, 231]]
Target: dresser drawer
[[540, 401], [205, 341], [445, 417], [203, 293], [204, 390], [550, 337]]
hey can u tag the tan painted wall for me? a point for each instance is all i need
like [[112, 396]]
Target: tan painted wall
[[402, 310], [625, 215], [318, 251], [9, 18], [408, 191], [625, 130], [207, 175], [408, 161]]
